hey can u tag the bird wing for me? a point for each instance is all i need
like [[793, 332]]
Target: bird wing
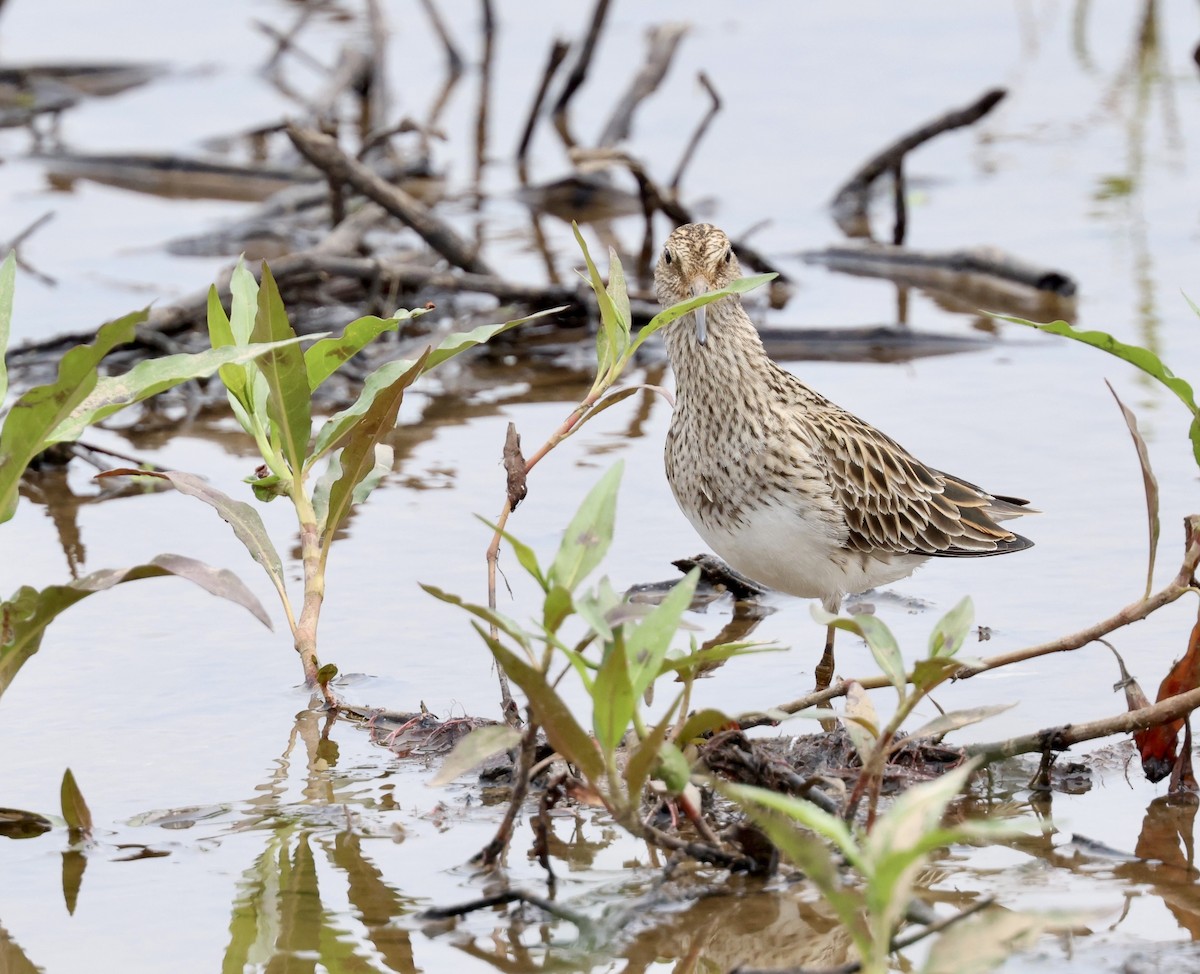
[[893, 502]]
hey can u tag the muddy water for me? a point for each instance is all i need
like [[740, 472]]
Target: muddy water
[[223, 817]]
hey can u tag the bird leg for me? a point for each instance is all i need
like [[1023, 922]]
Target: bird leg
[[824, 670]]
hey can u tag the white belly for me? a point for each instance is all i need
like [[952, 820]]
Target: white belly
[[800, 554]]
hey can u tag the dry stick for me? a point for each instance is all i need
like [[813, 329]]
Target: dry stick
[[1134, 612], [522, 773], [713, 109], [669, 204], [662, 42], [481, 118], [499, 899], [579, 72], [454, 61], [558, 51], [900, 227], [324, 153], [28, 232], [1062, 737], [850, 202]]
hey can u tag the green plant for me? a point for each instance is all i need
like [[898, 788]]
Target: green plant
[[618, 652], [272, 398], [876, 742], [886, 862], [59, 412]]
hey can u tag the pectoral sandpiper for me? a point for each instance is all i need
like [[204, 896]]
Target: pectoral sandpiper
[[789, 488]]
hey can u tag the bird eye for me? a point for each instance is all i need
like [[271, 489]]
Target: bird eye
[[728, 255], [667, 255]]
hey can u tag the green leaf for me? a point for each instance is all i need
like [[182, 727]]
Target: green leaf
[[551, 712], [243, 309], [702, 722], [665, 317], [42, 409], [24, 618], [861, 722], [647, 642], [955, 719], [928, 674], [385, 459], [338, 425], [590, 532], [879, 640], [220, 335], [608, 336], [672, 768], [1149, 483], [460, 341], [8, 279], [75, 811], [320, 494], [359, 460], [645, 755], [490, 616], [115, 392], [951, 630], [325, 357], [556, 607], [703, 659], [524, 554], [801, 812], [244, 519], [288, 405], [594, 608], [1135, 355], [613, 701], [473, 750], [619, 293]]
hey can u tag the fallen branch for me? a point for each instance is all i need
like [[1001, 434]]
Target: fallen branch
[[324, 153], [1062, 737], [850, 202], [930, 267], [662, 41], [579, 72]]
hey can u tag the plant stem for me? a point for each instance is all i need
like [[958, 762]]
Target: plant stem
[[305, 630]]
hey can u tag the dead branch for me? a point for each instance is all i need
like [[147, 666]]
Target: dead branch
[[850, 202], [931, 267], [499, 899], [1184, 581], [324, 153], [686, 159], [662, 42], [1062, 737], [558, 51], [579, 72], [454, 61]]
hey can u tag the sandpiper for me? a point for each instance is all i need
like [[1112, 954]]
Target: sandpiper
[[789, 488]]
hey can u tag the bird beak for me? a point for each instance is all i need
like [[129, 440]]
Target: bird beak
[[699, 287]]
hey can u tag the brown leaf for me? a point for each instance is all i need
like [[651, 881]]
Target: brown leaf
[[1157, 745], [514, 466]]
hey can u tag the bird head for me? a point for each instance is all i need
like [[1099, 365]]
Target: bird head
[[696, 259]]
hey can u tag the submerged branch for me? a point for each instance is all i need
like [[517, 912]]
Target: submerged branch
[[850, 202]]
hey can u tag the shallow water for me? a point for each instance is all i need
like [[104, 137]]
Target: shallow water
[[158, 697]]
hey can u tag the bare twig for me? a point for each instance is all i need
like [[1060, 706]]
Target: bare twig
[[499, 899], [481, 117], [28, 232], [1062, 737], [454, 61], [490, 854], [850, 202], [686, 159], [662, 42], [558, 51], [579, 72], [324, 153], [1183, 583]]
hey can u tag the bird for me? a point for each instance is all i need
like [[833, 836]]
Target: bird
[[787, 487]]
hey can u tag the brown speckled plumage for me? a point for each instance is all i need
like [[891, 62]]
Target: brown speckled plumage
[[786, 486]]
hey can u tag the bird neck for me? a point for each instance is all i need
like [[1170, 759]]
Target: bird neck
[[732, 354]]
